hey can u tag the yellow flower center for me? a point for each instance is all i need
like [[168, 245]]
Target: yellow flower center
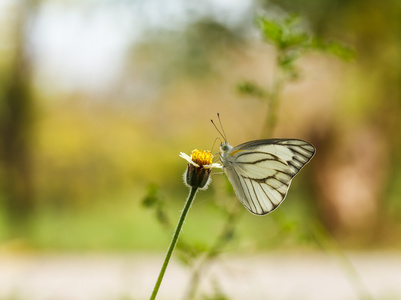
[[202, 157]]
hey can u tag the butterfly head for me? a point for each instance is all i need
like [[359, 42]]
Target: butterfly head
[[225, 148]]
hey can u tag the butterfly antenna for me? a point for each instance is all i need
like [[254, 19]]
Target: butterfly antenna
[[214, 143], [222, 128], [218, 129]]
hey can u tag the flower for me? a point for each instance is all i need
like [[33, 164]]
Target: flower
[[200, 159], [199, 168]]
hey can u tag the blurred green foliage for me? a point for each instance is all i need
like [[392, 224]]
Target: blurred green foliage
[[94, 155], [197, 52]]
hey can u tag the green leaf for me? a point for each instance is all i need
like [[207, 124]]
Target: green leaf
[[251, 89], [335, 48], [301, 40], [272, 30], [151, 198], [286, 34], [287, 59]]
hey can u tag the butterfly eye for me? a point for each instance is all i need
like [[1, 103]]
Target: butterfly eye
[[223, 147]]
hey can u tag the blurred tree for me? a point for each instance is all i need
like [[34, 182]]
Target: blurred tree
[[190, 52], [16, 121]]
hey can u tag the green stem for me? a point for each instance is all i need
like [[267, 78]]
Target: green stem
[[226, 235], [273, 103], [174, 240]]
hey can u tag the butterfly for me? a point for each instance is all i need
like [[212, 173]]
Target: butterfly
[[261, 171]]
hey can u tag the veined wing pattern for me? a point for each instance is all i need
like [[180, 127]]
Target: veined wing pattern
[[261, 171]]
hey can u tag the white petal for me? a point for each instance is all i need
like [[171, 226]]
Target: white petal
[[188, 159], [214, 165], [185, 156]]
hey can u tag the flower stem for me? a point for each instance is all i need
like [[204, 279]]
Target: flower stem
[[174, 240]]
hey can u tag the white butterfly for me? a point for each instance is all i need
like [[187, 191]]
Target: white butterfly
[[261, 171]]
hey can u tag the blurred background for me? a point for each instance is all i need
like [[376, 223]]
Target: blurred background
[[98, 98]]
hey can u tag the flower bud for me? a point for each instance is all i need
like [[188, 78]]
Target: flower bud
[[197, 176], [199, 168]]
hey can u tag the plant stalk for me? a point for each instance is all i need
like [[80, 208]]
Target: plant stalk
[[273, 103], [174, 240]]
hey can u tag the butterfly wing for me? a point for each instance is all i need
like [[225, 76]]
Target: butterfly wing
[[261, 171]]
